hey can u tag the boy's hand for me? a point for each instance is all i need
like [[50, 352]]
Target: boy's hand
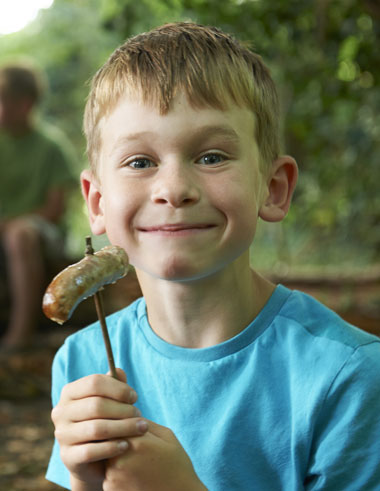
[[153, 462], [93, 420]]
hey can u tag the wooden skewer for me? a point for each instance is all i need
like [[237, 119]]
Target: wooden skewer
[[98, 298]]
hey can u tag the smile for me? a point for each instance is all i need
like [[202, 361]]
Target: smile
[[176, 229]]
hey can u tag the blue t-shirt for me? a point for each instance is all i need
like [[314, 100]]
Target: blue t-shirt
[[290, 403]]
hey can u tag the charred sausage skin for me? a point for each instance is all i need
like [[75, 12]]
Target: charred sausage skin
[[81, 280]]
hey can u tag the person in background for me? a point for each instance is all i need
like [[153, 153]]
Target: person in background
[[36, 173]]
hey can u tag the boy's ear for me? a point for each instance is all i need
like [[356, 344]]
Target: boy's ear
[[93, 196], [281, 183]]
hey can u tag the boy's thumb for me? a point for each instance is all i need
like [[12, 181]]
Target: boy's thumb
[[121, 375]]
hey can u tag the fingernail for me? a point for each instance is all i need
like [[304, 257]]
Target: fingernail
[[122, 445], [137, 412], [142, 426], [133, 396]]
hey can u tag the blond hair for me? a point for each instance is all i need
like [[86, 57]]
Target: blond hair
[[209, 66]]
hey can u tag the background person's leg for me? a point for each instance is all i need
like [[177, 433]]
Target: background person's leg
[[26, 276]]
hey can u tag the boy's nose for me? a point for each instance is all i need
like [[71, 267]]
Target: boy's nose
[[175, 187]]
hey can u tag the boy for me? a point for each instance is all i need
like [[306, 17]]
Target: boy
[[241, 384], [35, 174]]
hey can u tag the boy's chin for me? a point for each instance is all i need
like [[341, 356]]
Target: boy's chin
[[173, 271]]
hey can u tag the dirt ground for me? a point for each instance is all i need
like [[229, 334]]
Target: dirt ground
[[26, 433]]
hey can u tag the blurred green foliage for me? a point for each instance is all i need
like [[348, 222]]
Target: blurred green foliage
[[324, 57]]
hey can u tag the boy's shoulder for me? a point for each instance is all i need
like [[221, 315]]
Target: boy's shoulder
[[313, 335], [319, 321], [309, 339]]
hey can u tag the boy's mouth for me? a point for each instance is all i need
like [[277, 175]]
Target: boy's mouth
[[177, 227]]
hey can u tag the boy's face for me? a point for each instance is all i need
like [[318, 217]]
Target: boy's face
[[180, 192]]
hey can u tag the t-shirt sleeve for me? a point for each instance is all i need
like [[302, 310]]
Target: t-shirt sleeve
[[346, 449], [57, 472]]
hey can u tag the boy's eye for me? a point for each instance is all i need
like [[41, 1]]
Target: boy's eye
[[211, 159], [141, 163]]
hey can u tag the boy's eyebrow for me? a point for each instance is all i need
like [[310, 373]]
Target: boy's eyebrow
[[124, 139], [225, 131], [202, 133]]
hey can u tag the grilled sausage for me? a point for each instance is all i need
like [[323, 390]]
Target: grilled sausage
[[81, 280]]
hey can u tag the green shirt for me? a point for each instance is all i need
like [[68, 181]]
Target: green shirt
[[30, 166]]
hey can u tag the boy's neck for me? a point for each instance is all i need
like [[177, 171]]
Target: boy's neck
[[205, 312]]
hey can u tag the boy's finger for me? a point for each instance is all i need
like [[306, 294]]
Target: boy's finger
[[161, 432], [121, 375], [99, 408], [100, 431], [110, 430], [95, 451], [98, 385]]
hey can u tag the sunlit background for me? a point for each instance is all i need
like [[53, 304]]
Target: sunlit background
[[16, 14]]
